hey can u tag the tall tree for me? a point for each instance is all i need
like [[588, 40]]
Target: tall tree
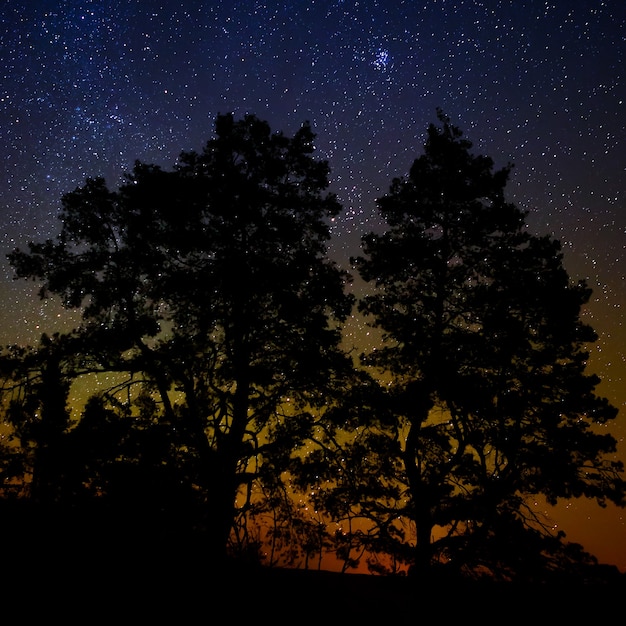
[[486, 349], [209, 283]]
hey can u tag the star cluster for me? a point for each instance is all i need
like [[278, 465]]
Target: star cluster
[[87, 87]]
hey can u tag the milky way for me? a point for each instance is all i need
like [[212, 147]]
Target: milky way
[[88, 87]]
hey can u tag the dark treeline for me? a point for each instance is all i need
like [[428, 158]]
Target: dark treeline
[[230, 419]]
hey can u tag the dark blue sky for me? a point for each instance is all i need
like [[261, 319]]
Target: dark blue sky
[[87, 87]]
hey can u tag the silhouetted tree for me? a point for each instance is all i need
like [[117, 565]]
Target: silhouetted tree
[[351, 474], [34, 392], [210, 282], [110, 465], [485, 347]]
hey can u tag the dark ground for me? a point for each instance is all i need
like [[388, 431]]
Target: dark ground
[[53, 573], [83, 588]]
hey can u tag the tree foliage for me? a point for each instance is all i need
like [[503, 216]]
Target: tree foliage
[[486, 348], [209, 287], [213, 312]]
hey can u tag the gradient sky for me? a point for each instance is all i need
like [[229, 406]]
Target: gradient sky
[[87, 87]]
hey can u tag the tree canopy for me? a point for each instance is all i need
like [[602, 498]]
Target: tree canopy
[[208, 287], [487, 350], [211, 307]]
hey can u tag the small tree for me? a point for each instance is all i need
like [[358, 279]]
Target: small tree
[[34, 392], [484, 343], [210, 286]]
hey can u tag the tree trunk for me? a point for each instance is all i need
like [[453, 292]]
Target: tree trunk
[[45, 486], [419, 488], [223, 484], [422, 565]]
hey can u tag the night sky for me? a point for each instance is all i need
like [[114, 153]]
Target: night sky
[[87, 87]]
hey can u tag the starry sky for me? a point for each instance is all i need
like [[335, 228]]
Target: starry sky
[[87, 87]]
